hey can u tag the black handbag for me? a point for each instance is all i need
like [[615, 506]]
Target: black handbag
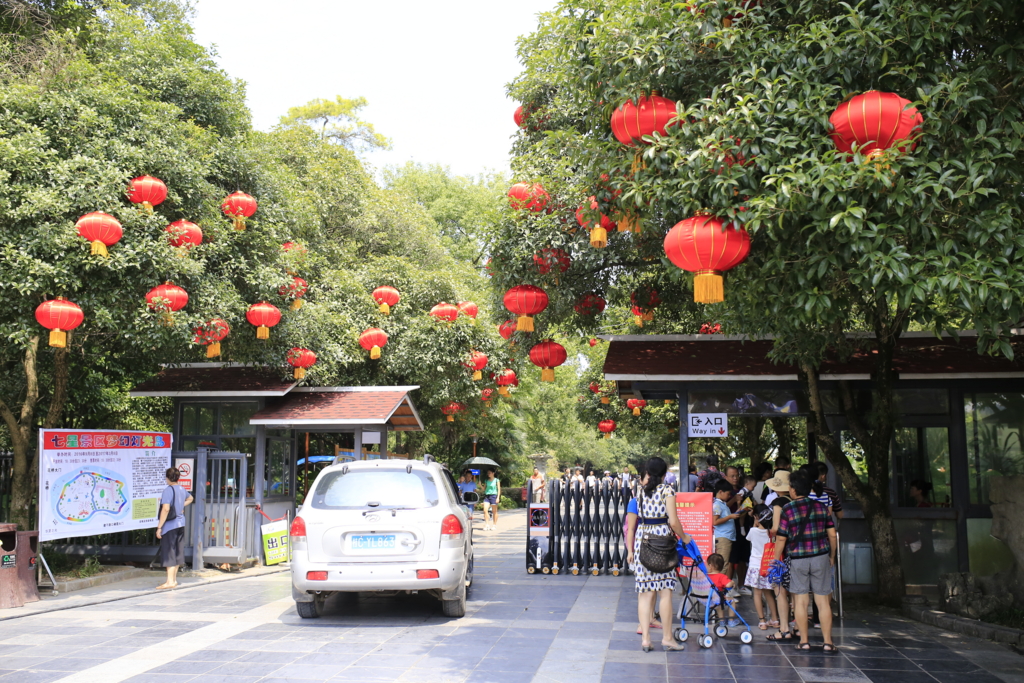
[[658, 553]]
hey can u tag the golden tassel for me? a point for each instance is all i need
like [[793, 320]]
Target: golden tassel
[[483, 414], [637, 226], [607, 435], [181, 252], [668, 401], [503, 390], [239, 222], [636, 412], [296, 305], [623, 223], [477, 375], [727, 22], [524, 324], [299, 373], [213, 350], [639, 320], [451, 418], [599, 238], [98, 249], [375, 353], [263, 332], [148, 207], [385, 309], [487, 403], [547, 375], [708, 287], [58, 338], [166, 319], [605, 400]]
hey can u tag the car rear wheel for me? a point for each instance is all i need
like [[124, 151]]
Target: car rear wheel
[[311, 610], [456, 608]]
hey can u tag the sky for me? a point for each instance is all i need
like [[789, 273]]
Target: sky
[[434, 72]]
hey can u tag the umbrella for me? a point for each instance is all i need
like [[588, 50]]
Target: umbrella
[[479, 460]]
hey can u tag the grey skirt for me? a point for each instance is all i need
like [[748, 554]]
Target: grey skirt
[[172, 548]]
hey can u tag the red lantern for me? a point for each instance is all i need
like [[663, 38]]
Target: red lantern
[[485, 396], [238, 206], [606, 427], [530, 196], [294, 290], [635, 404], [593, 342], [590, 304], [874, 121], [469, 309], [526, 301], [519, 116], [59, 316], [477, 363], [147, 190], [101, 229], [263, 316], [373, 340], [595, 387], [505, 379], [184, 235], [548, 259], [446, 312], [705, 245], [211, 334], [547, 355], [507, 329], [631, 122], [386, 297], [452, 409], [598, 233], [165, 299], [644, 301], [300, 359]]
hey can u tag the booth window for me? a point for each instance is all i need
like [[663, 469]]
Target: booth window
[[921, 454], [278, 480], [995, 439]]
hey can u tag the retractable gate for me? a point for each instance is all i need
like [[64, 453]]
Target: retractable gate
[[225, 519]]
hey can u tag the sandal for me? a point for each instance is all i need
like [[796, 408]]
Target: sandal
[[653, 625], [774, 623], [803, 646], [763, 625], [829, 647], [780, 636]]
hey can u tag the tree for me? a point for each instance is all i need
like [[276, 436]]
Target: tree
[[925, 238], [337, 121]]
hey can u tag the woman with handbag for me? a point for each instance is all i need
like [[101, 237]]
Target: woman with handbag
[[651, 551]]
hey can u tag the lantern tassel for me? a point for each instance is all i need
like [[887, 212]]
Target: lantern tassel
[[477, 375], [623, 224], [708, 288], [524, 324], [148, 207], [263, 332], [487, 403], [503, 390], [166, 319], [213, 350], [296, 305], [599, 238], [727, 22], [607, 436], [182, 252], [58, 338], [639, 320], [547, 375], [605, 400], [98, 249], [375, 353], [636, 412], [451, 418], [239, 222], [299, 373], [385, 309]]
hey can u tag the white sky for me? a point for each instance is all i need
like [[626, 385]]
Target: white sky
[[434, 72]]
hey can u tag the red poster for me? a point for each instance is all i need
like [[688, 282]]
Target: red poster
[[694, 510]]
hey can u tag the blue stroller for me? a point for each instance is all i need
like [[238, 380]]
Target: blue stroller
[[716, 596]]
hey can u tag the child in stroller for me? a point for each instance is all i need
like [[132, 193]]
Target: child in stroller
[[716, 597]]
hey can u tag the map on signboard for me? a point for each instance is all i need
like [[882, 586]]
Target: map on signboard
[[88, 492], [708, 424]]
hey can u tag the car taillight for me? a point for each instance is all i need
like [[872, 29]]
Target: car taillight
[[427, 574], [451, 526], [299, 529], [316, 576]]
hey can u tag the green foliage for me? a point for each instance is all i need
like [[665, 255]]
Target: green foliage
[[337, 121]]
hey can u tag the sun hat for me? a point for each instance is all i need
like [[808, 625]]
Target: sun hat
[[780, 482]]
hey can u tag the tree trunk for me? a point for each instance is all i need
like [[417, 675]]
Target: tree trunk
[[20, 428], [753, 426], [784, 435]]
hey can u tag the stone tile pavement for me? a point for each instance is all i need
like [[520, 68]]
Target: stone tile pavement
[[518, 628]]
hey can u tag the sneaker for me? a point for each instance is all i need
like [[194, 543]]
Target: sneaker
[[733, 623], [746, 591], [816, 626]]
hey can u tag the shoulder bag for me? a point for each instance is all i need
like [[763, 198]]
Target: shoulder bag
[[657, 553], [173, 512]]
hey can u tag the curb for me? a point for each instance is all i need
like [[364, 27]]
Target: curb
[[120, 574], [965, 626]]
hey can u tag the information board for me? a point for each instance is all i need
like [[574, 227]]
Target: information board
[[695, 514], [100, 481], [185, 466]]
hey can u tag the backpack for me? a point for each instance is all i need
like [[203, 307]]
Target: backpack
[[710, 479]]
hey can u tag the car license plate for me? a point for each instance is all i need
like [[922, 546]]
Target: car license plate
[[373, 542]]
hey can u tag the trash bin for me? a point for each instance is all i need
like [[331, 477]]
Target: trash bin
[[10, 593], [28, 550]]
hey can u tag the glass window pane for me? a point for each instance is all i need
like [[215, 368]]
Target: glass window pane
[[995, 433], [234, 418], [855, 453], [763, 403], [927, 549], [188, 445], [921, 463], [922, 401], [197, 418], [385, 487], [988, 555], [278, 468]]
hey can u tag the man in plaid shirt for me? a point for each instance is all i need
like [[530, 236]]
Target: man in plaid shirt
[[807, 536]]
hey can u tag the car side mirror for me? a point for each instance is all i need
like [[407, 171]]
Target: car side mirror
[[470, 497]]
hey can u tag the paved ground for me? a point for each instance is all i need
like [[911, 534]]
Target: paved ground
[[518, 628]]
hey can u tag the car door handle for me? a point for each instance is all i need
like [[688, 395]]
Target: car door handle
[[412, 543]]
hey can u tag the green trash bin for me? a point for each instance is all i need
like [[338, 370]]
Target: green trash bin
[[10, 591]]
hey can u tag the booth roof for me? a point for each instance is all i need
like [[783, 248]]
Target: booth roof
[[342, 407], [215, 380]]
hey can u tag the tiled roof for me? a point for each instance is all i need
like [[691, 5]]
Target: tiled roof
[[215, 379], [359, 406]]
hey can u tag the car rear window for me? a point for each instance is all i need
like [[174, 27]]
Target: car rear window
[[385, 487]]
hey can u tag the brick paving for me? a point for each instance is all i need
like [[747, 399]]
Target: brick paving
[[517, 628]]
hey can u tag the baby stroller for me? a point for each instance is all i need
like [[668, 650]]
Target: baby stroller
[[715, 597]]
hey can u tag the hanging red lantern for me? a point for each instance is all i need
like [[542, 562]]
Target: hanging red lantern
[[184, 235], [728, 19], [548, 260], [452, 409], [59, 316], [238, 206], [263, 316], [373, 340], [507, 329], [707, 246], [505, 379], [519, 116], [300, 359], [289, 247], [875, 121], [649, 115], [477, 363], [526, 301], [386, 297], [446, 312], [598, 232], [606, 427], [211, 334], [593, 342], [530, 196], [485, 396], [102, 230], [547, 355], [644, 301], [294, 290], [147, 190], [165, 299], [590, 304], [469, 309], [595, 387], [636, 404]]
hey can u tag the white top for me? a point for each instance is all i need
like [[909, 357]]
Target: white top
[[757, 538]]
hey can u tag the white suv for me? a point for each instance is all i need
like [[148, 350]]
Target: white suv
[[382, 525]]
